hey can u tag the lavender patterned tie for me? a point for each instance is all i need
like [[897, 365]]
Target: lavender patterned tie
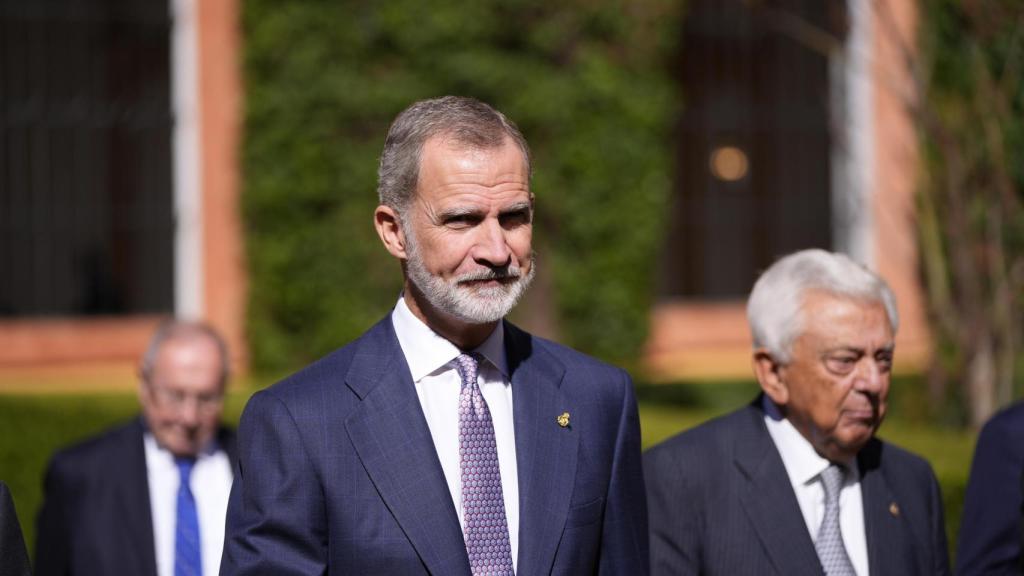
[[483, 506], [829, 543]]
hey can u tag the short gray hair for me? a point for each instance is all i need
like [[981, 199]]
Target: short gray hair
[[467, 121], [774, 309], [182, 330]]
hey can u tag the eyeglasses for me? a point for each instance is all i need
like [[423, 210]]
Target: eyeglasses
[[178, 400]]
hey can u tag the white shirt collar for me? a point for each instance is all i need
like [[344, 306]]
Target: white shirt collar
[[802, 461], [428, 352], [211, 447]]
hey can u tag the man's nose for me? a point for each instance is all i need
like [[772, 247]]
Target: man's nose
[[492, 247], [189, 411], [869, 376]]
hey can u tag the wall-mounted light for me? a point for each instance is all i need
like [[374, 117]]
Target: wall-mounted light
[[728, 163]]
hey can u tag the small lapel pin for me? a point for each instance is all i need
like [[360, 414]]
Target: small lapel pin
[[563, 419], [894, 509]]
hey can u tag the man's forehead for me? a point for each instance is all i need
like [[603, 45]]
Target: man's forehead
[[446, 148], [187, 350], [831, 316], [470, 176]]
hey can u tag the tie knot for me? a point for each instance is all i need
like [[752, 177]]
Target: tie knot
[[185, 467], [832, 479], [467, 366]]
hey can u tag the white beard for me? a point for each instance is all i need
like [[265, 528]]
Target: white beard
[[474, 305]]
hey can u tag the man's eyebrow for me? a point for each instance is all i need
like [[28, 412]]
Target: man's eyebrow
[[458, 211], [517, 207], [888, 348], [845, 348]]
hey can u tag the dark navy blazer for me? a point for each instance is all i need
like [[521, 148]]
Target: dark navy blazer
[[13, 555], [338, 471], [721, 503], [95, 518], [992, 527]]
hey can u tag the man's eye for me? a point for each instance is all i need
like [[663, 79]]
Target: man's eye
[[841, 364], [515, 218], [460, 221]]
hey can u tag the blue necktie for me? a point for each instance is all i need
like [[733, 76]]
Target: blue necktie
[[187, 560]]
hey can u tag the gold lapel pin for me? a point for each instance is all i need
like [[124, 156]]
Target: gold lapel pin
[[563, 419], [894, 509]]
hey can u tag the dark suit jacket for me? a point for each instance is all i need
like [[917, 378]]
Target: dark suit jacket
[[992, 528], [721, 502], [95, 518], [13, 555], [338, 470]]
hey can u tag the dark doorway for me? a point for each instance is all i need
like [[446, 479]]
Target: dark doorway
[[752, 169], [86, 196]]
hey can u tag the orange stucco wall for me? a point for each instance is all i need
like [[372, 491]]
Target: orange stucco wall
[[895, 180], [220, 92]]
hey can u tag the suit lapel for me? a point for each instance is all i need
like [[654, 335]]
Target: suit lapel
[[769, 501], [135, 504], [883, 523], [545, 452], [391, 436]]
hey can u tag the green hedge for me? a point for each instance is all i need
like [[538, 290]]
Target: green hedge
[[971, 201], [587, 82]]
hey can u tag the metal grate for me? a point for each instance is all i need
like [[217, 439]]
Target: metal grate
[[751, 83], [86, 219]]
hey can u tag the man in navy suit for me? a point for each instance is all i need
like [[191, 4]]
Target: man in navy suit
[[112, 503], [796, 482], [992, 526], [445, 440]]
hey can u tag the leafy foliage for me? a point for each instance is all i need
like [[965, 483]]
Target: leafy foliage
[[972, 201], [587, 82]]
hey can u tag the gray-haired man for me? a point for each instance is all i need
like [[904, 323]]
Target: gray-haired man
[[445, 440], [796, 482]]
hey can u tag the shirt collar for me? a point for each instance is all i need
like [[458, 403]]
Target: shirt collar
[[428, 352], [150, 440], [802, 461]]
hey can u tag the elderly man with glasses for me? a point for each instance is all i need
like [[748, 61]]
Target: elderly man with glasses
[[148, 497]]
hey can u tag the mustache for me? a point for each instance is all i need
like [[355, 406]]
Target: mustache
[[504, 273]]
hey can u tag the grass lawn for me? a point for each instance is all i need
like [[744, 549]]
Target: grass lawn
[[33, 426]]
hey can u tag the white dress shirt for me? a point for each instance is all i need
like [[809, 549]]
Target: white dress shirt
[[211, 484], [431, 360], [803, 465]]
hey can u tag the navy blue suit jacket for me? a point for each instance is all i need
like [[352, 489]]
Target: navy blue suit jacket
[[95, 518], [992, 527], [721, 503], [338, 471], [13, 555]]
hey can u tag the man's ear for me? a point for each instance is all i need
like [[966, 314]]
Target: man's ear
[[769, 375], [144, 391], [389, 228]]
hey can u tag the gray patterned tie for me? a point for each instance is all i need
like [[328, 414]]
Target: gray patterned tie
[[829, 543], [483, 506]]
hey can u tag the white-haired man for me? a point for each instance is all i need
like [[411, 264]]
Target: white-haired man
[[796, 482]]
